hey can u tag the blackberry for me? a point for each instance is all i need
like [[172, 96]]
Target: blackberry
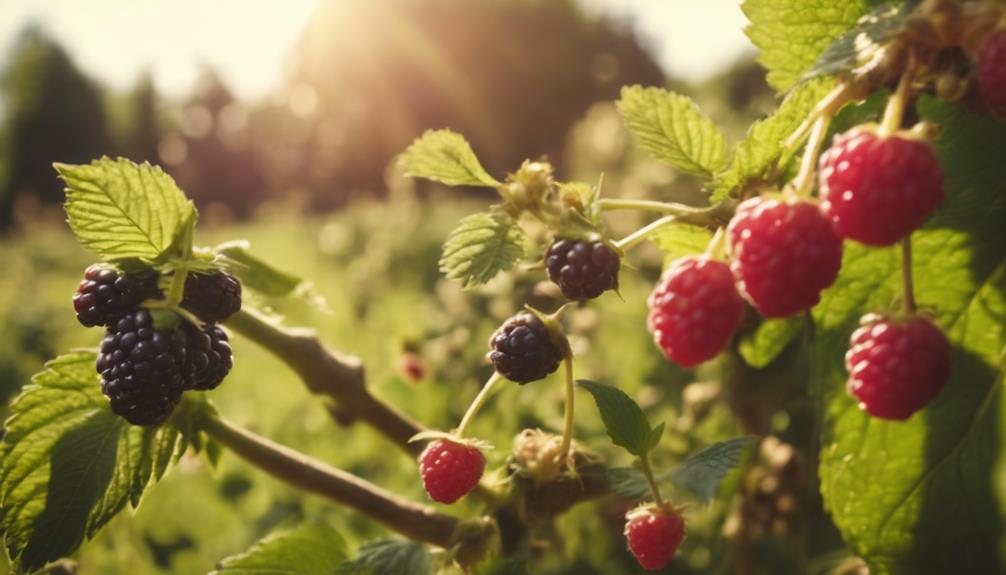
[[208, 357], [213, 297], [582, 269], [140, 369], [106, 294], [521, 349]]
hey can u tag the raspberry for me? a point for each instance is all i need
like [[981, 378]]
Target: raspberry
[[213, 297], [897, 366], [450, 469], [582, 269], [208, 357], [140, 369], [695, 310], [876, 190], [992, 73], [521, 349], [106, 294], [654, 534], [785, 252]]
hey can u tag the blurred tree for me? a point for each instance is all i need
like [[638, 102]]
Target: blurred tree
[[53, 113], [144, 131]]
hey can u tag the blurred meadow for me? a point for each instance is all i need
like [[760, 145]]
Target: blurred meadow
[[305, 172]]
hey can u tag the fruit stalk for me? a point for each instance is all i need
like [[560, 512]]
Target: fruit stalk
[[567, 423], [805, 178], [907, 287], [480, 400], [644, 463]]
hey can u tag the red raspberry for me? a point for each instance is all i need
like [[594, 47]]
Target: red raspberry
[[992, 72], [897, 367], [785, 252], [695, 310], [876, 190], [450, 469], [654, 534]]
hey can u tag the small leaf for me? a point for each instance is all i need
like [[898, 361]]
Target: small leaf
[[680, 240], [310, 549], [768, 340], [672, 128], [445, 156], [702, 473], [625, 421], [864, 43], [480, 247], [656, 435], [628, 482], [121, 210], [256, 274], [390, 557]]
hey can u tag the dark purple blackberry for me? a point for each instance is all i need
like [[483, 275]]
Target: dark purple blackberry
[[208, 357], [521, 349], [213, 297], [140, 369], [582, 269], [106, 294]]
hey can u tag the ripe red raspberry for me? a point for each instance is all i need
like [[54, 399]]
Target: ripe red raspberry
[[992, 73], [695, 310], [450, 469], [106, 294], [212, 297], [876, 190], [654, 534], [582, 269], [522, 350], [897, 366], [784, 253]]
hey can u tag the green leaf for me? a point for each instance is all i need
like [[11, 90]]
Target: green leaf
[[628, 482], [624, 420], [121, 210], [310, 549], [760, 347], [702, 473], [792, 34], [672, 128], [256, 274], [864, 42], [480, 247], [680, 240], [390, 556], [69, 465], [445, 156], [762, 151], [904, 493]]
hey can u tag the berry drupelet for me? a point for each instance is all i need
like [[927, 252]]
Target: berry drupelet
[[582, 269]]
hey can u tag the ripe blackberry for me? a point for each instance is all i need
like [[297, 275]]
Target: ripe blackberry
[[876, 190], [208, 357], [212, 297], [450, 469], [106, 294], [654, 534], [785, 252], [582, 269], [140, 369], [992, 72], [695, 310], [522, 350]]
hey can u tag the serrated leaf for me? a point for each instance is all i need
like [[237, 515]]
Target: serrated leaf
[[628, 482], [310, 549], [762, 150], [390, 556], [121, 210], [792, 34], [904, 493], [702, 473], [672, 128], [480, 247], [760, 347], [445, 156], [863, 44], [679, 240], [69, 465], [623, 419], [256, 274]]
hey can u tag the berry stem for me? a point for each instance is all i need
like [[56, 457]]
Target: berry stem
[[567, 421], [894, 113], [176, 292], [828, 106], [717, 245], [908, 291], [480, 400], [648, 206], [644, 462], [804, 181], [636, 237]]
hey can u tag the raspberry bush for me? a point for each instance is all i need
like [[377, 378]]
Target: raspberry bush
[[838, 300]]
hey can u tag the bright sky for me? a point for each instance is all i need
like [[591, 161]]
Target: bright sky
[[247, 40]]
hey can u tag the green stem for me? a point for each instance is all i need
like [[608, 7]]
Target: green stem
[[480, 400], [908, 291], [894, 113], [406, 517], [644, 462], [828, 106], [636, 237], [176, 292], [648, 206], [804, 180], [567, 420]]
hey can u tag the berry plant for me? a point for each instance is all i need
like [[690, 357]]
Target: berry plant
[[852, 243]]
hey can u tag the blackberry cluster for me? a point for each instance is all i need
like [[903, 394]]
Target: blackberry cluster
[[522, 351], [105, 294], [582, 269]]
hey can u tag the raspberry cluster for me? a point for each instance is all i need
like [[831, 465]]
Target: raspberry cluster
[[145, 367]]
